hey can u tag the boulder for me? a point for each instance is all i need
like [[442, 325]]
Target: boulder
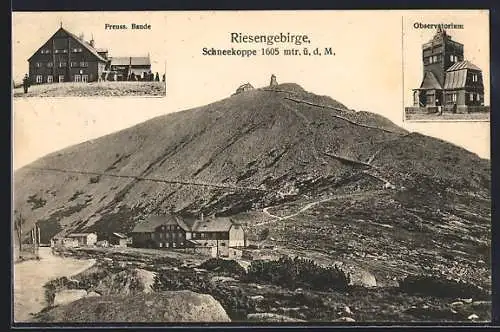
[[345, 319], [271, 317], [93, 294], [69, 295], [169, 306], [361, 277]]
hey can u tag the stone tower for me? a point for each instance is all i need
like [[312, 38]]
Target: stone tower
[[440, 53], [273, 81]]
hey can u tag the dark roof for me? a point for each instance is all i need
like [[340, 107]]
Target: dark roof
[[81, 42], [430, 81], [463, 65], [213, 224], [152, 222], [130, 60]]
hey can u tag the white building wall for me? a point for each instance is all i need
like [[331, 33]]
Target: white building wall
[[91, 239], [236, 236]]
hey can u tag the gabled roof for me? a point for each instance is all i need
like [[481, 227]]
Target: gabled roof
[[463, 65], [152, 222], [430, 82], [130, 60], [81, 42], [213, 224]]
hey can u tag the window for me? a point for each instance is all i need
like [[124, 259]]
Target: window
[[50, 64], [78, 78], [39, 78], [173, 244], [50, 79], [84, 64], [65, 51], [161, 244], [85, 78], [46, 51], [430, 59], [434, 58], [202, 235], [62, 64], [451, 58], [182, 243], [38, 64], [77, 50], [167, 245], [474, 77], [74, 64], [454, 97], [61, 79], [456, 58], [471, 96], [56, 51], [478, 96], [223, 244]]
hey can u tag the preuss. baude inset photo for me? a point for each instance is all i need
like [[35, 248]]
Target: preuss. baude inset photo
[[69, 58]]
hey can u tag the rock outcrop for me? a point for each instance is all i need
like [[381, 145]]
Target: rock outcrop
[[170, 306]]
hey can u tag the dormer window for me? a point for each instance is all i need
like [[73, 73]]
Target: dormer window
[[474, 77]]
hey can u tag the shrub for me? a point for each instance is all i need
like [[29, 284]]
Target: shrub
[[263, 234], [165, 260], [95, 179], [224, 266], [440, 287], [298, 272]]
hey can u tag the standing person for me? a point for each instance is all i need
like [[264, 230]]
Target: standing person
[[440, 109], [26, 83]]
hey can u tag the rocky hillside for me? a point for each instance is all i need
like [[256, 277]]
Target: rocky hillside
[[255, 149]]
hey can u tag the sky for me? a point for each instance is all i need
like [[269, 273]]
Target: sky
[[366, 73]]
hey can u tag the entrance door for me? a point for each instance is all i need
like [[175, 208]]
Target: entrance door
[[78, 78]]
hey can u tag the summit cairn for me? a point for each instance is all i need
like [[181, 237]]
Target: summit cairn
[[274, 82]]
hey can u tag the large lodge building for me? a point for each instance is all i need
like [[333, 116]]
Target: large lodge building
[[449, 81], [66, 57], [219, 236]]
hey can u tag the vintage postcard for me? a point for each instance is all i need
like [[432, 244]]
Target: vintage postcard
[[87, 54], [278, 181]]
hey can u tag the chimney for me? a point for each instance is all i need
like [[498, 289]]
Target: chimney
[[92, 40], [80, 36]]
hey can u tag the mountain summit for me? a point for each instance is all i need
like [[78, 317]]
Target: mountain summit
[[257, 148]]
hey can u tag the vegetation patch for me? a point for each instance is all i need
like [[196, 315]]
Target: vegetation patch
[[441, 287], [298, 272], [36, 202]]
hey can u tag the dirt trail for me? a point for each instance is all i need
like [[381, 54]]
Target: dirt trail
[[310, 205], [31, 276]]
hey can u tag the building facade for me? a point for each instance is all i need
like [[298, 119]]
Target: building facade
[[449, 82], [214, 235], [66, 57], [75, 240]]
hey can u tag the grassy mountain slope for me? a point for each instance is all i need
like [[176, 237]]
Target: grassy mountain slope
[[242, 154]]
